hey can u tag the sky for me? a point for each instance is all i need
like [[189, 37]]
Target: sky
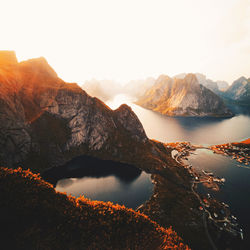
[[125, 40]]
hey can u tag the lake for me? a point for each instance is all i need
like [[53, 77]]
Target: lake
[[134, 191], [103, 180]]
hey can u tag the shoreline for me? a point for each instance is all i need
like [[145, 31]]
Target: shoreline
[[206, 213]]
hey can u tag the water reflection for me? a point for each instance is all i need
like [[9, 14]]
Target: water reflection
[[87, 166], [102, 180], [235, 190], [197, 130]]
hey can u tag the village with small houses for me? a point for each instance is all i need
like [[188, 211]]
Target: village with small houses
[[218, 213], [238, 151]]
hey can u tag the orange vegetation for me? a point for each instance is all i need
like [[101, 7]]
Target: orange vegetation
[[35, 216], [247, 141]]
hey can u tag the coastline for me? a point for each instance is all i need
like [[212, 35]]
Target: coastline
[[208, 219]]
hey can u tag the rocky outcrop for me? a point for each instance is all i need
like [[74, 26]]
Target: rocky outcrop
[[7, 58], [44, 119], [239, 91], [183, 97], [203, 80]]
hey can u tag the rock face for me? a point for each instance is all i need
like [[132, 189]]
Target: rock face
[[183, 97], [203, 80], [7, 58], [44, 119], [239, 91]]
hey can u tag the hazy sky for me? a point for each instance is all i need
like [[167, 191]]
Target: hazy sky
[[131, 39]]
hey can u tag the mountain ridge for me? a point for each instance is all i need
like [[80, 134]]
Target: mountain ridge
[[183, 97]]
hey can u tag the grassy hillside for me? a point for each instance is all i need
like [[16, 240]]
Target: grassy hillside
[[35, 216]]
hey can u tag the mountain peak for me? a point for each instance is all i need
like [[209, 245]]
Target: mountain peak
[[241, 80], [7, 57], [184, 97], [38, 65], [191, 78]]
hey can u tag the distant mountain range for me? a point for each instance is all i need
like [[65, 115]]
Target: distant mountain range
[[106, 89], [184, 96], [236, 94], [210, 84], [239, 91], [46, 122]]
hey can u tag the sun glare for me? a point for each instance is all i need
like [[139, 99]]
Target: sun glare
[[125, 40], [118, 100]]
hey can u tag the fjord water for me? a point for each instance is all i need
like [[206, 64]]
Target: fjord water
[[110, 187], [235, 190], [206, 131]]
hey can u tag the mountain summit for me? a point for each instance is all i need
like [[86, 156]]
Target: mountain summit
[[239, 91], [183, 97], [42, 117]]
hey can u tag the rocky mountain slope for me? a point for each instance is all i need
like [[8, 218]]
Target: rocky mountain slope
[[203, 80], [45, 120], [183, 97], [35, 216], [239, 91]]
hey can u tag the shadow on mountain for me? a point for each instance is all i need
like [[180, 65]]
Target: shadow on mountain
[[240, 109], [88, 166], [192, 123]]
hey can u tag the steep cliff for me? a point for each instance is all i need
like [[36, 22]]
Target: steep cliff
[[45, 119], [239, 91], [183, 97]]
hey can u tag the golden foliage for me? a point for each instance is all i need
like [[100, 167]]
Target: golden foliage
[[38, 217]]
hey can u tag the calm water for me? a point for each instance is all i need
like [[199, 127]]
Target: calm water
[[102, 180], [207, 131], [196, 130], [236, 188], [110, 188]]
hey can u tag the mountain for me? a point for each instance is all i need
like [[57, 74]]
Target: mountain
[[102, 89], [35, 216], [203, 80], [45, 122], [239, 91], [106, 89], [222, 85], [137, 88], [183, 97]]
